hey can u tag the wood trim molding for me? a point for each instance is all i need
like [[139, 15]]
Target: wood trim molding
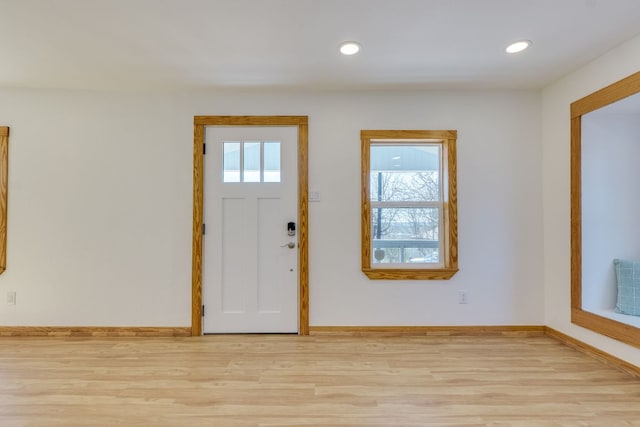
[[607, 95], [451, 202], [408, 134], [303, 220], [605, 326], [409, 273], [594, 352], [579, 316], [576, 214], [93, 331], [4, 178], [198, 218], [251, 120], [365, 215], [447, 140], [524, 330], [198, 202]]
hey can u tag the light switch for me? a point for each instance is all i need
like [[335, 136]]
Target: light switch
[[314, 196]]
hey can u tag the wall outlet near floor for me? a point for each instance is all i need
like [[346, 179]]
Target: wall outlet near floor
[[11, 298], [462, 297]]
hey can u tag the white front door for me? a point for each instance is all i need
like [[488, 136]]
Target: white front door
[[250, 260]]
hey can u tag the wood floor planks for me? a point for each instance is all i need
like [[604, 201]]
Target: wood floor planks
[[288, 380]]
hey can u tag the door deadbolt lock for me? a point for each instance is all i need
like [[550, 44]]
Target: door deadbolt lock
[[291, 228]]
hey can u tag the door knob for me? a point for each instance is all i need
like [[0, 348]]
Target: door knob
[[289, 245]]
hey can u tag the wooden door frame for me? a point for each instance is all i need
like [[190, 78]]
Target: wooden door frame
[[199, 123]]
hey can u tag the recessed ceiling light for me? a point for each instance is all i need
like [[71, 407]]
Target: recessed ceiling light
[[395, 158], [518, 46], [349, 48]]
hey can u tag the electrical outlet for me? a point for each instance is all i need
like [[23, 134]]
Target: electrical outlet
[[11, 298], [462, 297]]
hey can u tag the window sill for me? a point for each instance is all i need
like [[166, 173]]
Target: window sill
[[409, 274]]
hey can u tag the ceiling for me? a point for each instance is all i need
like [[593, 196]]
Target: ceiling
[[293, 44]]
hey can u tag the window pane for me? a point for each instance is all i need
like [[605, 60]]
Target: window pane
[[251, 169], [271, 162], [404, 235], [231, 161], [405, 173]]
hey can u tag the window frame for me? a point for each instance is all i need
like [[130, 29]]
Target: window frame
[[448, 234]]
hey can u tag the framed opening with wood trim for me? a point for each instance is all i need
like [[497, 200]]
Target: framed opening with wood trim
[[200, 124], [409, 204], [604, 182]]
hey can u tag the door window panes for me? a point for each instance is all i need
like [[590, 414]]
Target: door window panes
[[231, 161], [271, 162], [251, 168], [251, 161]]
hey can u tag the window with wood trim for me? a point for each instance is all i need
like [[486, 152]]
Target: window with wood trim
[[409, 211]]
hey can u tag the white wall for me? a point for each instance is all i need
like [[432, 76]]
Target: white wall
[[610, 202], [101, 195], [613, 66], [98, 211]]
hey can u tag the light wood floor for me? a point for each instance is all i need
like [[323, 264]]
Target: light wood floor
[[310, 381]]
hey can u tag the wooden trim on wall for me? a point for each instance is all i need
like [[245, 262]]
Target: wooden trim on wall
[[451, 205], [198, 209], [251, 120], [576, 213], [607, 95], [365, 214], [594, 352], [93, 331], [524, 330], [4, 178], [198, 202], [409, 273], [605, 326], [303, 220], [449, 253], [612, 328]]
